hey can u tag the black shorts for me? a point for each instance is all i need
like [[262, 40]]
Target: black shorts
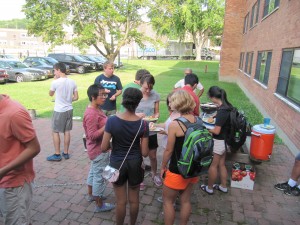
[[153, 142], [131, 171]]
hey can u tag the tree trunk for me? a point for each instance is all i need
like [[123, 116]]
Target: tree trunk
[[198, 38]]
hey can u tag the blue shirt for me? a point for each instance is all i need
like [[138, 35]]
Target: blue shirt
[[113, 84], [123, 133]]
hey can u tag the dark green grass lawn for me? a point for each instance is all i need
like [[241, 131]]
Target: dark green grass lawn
[[34, 95]]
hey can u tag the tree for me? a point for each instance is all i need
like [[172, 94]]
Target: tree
[[112, 23], [200, 19]]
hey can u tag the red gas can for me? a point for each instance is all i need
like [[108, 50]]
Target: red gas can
[[262, 140]]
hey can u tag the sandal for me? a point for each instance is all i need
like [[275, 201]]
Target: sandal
[[217, 187], [203, 188]]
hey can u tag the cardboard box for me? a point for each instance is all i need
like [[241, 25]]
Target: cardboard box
[[243, 175]]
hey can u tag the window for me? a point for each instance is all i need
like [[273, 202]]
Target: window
[[68, 58], [254, 14], [270, 6], [24, 35], [3, 42], [246, 23], [289, 75], [263, 67], [241, 60], [248, 63]]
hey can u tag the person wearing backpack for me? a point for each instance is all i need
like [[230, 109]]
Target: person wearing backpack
[[174, 183], [222, 125]]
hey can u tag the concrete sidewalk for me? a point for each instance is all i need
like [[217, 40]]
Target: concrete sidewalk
[[59, 193]]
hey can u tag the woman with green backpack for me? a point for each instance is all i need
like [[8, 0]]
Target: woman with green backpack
[[174, 183]]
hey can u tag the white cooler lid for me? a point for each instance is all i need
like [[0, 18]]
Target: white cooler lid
[[260, 128]]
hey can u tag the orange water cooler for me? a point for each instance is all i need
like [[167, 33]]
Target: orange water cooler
[[262, 140]]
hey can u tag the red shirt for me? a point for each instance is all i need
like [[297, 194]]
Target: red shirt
[[93, 120], [190, 90], [16, 129]]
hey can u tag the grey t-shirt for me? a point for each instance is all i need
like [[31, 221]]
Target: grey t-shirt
[[147, 106]]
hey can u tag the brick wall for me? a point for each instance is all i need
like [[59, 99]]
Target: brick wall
[[278, 30], [231, 39]]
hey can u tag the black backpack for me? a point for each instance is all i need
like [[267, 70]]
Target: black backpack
[[238, 131], [197, 149]]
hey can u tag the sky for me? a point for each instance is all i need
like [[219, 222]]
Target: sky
[[11, 9]]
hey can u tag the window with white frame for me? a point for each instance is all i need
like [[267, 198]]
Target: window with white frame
[[241, 61], [248, 62], [288, 84], [254, 14], [270, 6], [246, 23], [263, 65]]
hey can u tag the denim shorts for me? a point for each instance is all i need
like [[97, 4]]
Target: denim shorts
[[15, 204], [95, 178]]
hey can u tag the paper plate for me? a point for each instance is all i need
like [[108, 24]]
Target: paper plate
[[76, 117], [156, 129], [205, 121], [150, 119]]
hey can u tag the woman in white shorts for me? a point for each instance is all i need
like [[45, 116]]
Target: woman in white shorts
[[219, 97]]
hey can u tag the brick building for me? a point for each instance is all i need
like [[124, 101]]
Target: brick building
[[261, 52]]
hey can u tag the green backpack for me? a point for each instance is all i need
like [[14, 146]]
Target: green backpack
[[197, 149]]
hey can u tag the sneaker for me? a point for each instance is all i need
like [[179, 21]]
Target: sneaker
[[157, 181], [142, 186], [295, 191], [104, 208], [54, 157], [281, 186], [66, 155]]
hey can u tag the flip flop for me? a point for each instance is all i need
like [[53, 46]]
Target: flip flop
[[203, 188], [217, 187]]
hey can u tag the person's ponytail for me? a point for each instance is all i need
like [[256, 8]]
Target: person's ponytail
[[224, 98]]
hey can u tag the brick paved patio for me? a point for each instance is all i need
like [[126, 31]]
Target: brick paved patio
[[59, 195]]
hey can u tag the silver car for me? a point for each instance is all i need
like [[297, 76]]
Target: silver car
[[19, 72]]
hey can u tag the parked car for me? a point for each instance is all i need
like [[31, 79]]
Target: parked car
[[40, 65], [206, 54], [3, 76], [116, 63], [98, 62], [75, 62], [19, 72], [43, 63], [7, 57]]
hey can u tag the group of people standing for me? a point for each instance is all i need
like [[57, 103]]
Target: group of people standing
[[118, 139], [127, 136]]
